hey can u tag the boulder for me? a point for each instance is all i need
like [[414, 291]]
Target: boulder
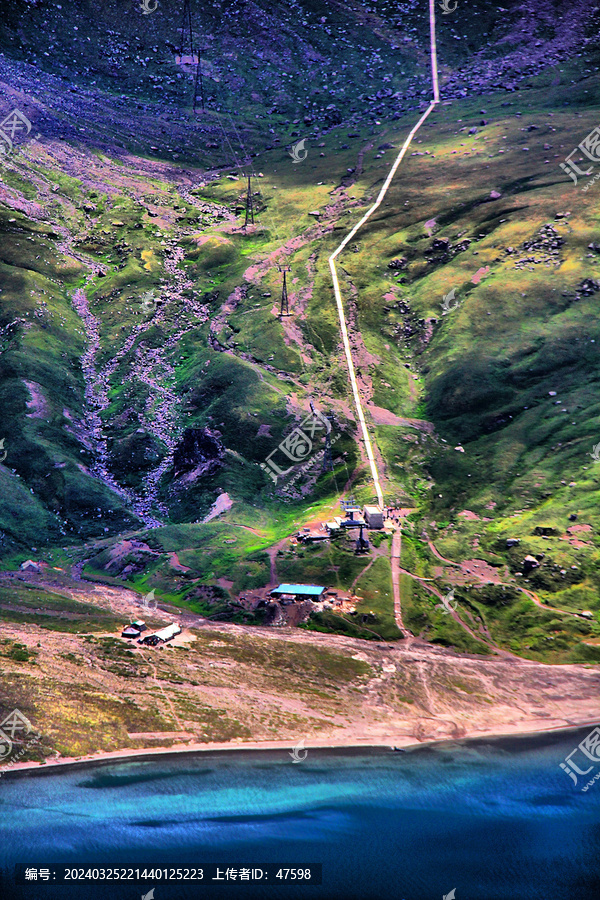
[[589, 286], [439, 246], [529, 563]]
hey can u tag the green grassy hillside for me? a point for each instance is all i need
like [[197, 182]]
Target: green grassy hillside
[[145, 372]]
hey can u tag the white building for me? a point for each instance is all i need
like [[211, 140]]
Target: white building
[[373, 516], [162, 636]]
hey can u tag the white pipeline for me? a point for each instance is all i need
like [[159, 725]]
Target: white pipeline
[[350, 235]]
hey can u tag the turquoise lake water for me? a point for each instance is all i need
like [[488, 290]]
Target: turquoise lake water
[[494, 820]]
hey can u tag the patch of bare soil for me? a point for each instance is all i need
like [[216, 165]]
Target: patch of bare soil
[[256, 676], [472, 570], [38, 405]]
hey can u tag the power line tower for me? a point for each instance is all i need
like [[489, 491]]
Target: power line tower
[[186, 28], [285, 309], [328, 456], [199, 82], [249, 205]]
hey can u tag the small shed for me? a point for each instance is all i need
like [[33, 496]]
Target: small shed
[[373, 516], [30, 566], [299, 592], [130, 631], [134, 630]]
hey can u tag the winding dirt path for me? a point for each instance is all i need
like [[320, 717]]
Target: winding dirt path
[[449, 562], [484, 640], [531, 594]]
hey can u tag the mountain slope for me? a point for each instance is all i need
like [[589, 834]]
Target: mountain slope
[[146, 372]]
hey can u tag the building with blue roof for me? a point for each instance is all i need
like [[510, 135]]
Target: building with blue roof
[[299, 591]]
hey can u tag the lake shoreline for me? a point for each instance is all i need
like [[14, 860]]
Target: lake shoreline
[[348, 747]]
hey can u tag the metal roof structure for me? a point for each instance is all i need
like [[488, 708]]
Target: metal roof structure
[[130, 631], [169, 632], [162, 636], [308, 590]]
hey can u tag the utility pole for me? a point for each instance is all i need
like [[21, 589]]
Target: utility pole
[[199, 82], [362, 543], [328, 456], [249, 205], [187, 15], [285, 309], [187, 30]]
